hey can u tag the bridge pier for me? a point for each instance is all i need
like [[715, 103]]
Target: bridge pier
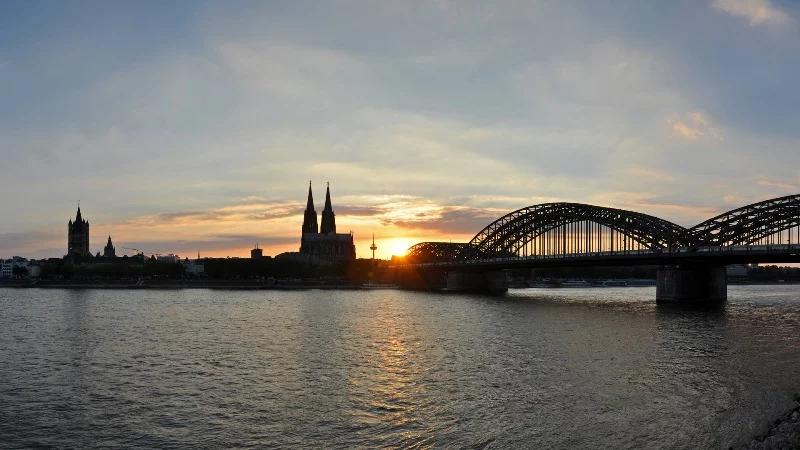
[[493, 282], [692, 283]]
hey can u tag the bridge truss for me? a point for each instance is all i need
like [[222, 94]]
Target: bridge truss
[[771, 222], [573, 229], [434, 251]]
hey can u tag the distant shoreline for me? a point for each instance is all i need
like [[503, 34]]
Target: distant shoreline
[[221, 286], [225, 285]]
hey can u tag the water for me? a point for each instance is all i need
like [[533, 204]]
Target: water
[[571, 368]]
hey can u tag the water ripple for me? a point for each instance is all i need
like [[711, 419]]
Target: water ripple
[[536, 368]]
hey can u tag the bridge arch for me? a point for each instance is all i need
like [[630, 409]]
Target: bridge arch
[[565, 228], [762, 222]]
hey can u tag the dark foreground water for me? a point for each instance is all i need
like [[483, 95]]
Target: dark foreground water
[[571, 368]]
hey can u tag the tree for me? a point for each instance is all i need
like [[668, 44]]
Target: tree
[[19, 271]]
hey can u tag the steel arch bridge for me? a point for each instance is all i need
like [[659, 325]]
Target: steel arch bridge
[[578, 231], [577, 228], [762, 222]]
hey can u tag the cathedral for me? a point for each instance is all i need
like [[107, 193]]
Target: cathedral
[[78, 236], [324, 242]]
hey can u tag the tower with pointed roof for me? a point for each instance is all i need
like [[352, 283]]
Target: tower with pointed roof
[[108, 250], [310, 215], [328, 217], [324, 243], [78, 235]]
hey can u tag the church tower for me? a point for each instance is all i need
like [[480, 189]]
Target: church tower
[[328, 217], [310, 215], [108, 250], [78, 236]]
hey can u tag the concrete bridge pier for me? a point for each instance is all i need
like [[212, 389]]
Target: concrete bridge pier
[[692, 283], [493, 282]]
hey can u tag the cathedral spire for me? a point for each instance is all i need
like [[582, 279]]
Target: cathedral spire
[[310, 214], [328, 206], [328, 217], [310, 202]]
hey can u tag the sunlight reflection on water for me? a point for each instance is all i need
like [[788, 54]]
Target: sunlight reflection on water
[[550, 368]]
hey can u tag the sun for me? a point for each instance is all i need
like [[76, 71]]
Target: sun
[[396, 246]]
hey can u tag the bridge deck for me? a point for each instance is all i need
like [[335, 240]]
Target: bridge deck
[[707, 255]]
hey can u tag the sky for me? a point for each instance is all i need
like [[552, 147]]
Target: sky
[[186, 126]]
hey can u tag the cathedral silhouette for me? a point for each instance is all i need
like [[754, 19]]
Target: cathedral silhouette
[[324, 242], [78, 236]]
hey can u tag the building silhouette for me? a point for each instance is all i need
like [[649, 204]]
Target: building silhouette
[[324, 243], [310, 215], [328, 217], [256, 253], [78, 236], [108, 250]]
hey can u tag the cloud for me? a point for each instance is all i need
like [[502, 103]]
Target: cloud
[[219, 245], [290, 69], [49, 242], [692, 126], [447, 118], [652, 203], [732, 198], [251, 209], [756, 12], [190, 216], [779, 185], [504, 203], [357, 210], [699, 211], [612, 76], [447, 221], [737, 201], [648, 173]]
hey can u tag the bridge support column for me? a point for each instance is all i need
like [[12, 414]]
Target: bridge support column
[[707, 284], [494, 282]]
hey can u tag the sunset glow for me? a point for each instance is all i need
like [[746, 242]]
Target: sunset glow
[[399, 223], [207, 143], [398, 246]]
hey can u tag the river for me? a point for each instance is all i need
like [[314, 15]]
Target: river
[[536, 368]]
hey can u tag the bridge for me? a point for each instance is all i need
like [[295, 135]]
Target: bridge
[[691, 260]]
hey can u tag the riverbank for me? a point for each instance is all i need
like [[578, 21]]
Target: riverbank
[[783, 434], [172, 285]]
